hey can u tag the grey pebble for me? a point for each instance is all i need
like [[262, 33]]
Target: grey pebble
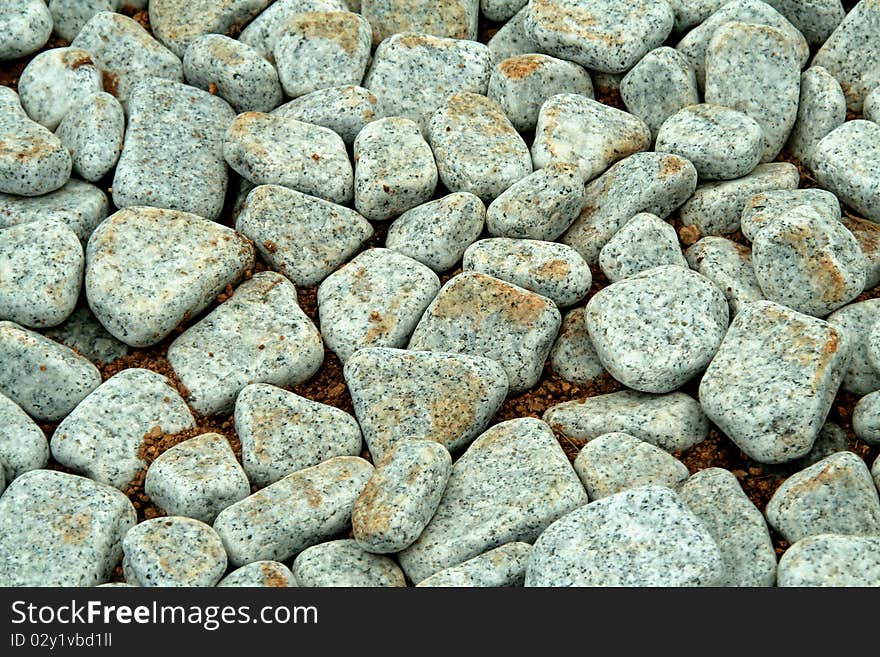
[[866, 418], [263, 32], [692, 12], [23, 447], [93, 131], [83, 333], [644, 242], [78, 204], [573, 356], [871, 109], [831, 439], [511, 38], [866, 235], [401, 395], [69, 16], [262, 574], [816, 19], [500, 10], [58, 529], [728, 265], [456, 19], [858, 319], [847, 162], [821, 109], [282, 432], [773, 380], [831, 560], [344, 110], [177, 23], [25, 27], [343, 563], [501, 567], [764, 208]]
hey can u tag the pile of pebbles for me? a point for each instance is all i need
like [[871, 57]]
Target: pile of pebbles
[[468, 212]]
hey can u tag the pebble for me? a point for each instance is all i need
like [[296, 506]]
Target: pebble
[[714, 495], [269, 149], [866, 234], [773, 380], [413, 74], [92, 131], [847, 162], [600, 34], [500, 10], [456, 19], [78, 204], [553, 270], [42, 265], [25, 27], [617, 461], [692, 12], [715, 207], [831, 560], [173, 152], [394, 169], [344, 110], [866, 418], [502, 567], [303, 237], [808, 261], [83, 333], [728, 265], [645, 536], [173, 551], [57, 529], [438, 232], [479, 315], [343, 563], [33, 160], [322, 49], [45, 378], [573, 356], [126, 53], [282, 433], [831, 439], [541, 206], [263, 32], [512, 482], [644, 242], [401, 395], [821, 109], [55, 81], [852, 53], [834, 496], [23, 446], [148, 270], [815, 20], [69, 16], [401, 496], [871, 109], [511, 38], [103, 436], [522, 83], [177, 23], [657, 330], [577, 130], [764, 208], [857, 319], [234, 71], [262, 574], [301, 510], [644, 182]]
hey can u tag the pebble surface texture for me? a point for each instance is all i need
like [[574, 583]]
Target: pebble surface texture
[[24, 28], [263, 32], [765, 207], [729, 265], [821, 109], [345, 564], [344, 110], [644, 242], [866, 418], [847, 162], [503, 566], [456, 19], [857, 320], [93, 131], [573, 356], [831, 560]]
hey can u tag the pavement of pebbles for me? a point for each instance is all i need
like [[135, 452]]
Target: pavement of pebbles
[[442, 294]]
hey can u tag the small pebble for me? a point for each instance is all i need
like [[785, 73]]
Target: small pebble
[[23, 447], [343, 563], [728, 265], [764, 208], [69, 16], [93, 132], [816, 20], [573, 356], [78, 204], [866, 418], [865, 233], [871, 109], [456, 19], [83, 333], [261, 574], [511, 39], [177, 23], [644, 242], [847, 162], [502, 567], [500, 10], [344, 110], [25, 27], [263, 32], [831, 439], [857, 319], [831, 560], [821, 109]]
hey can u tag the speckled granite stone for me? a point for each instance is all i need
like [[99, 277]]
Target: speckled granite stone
[[615, 462], [343, 563], [816, 19], [173, 551], [657, 330], [235, 71], [126, 53], [773, 380], [173, 152], [871, 109], [303, 237], [78, 204], [808, 261], [740, 531], [45, 378], [55, 81], [867, 234], [577, 130], [401, 496], [661, 84], [858, 319], [642, 243], [259, 335], [765, 207], [480, 315], [692, 12], [23, 446], [720, 142], [821, 109], [500, 10], [42, 265], [522, 83], [85, 334], [456, 19], [511, 38], [438, 232], [673, 421], [866, 418], [847, 162], [344, 110], [504, 566], [58, 529], [715, 207], [269, 149], [553, 270], [600, 34], [300, 510], [831, 439], [25, 27], [834, 496], [282, 432], [394, 169], [541, 206], [177, 23], [645, 182], [69, 16], [413, 74], [831, 560], [148, 270], [641, 537], [513, 481], [103, 435], [728, 265], [92, 131], [262, 574], [403, 395], [573, 356], [263, 32], [852, 53]]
